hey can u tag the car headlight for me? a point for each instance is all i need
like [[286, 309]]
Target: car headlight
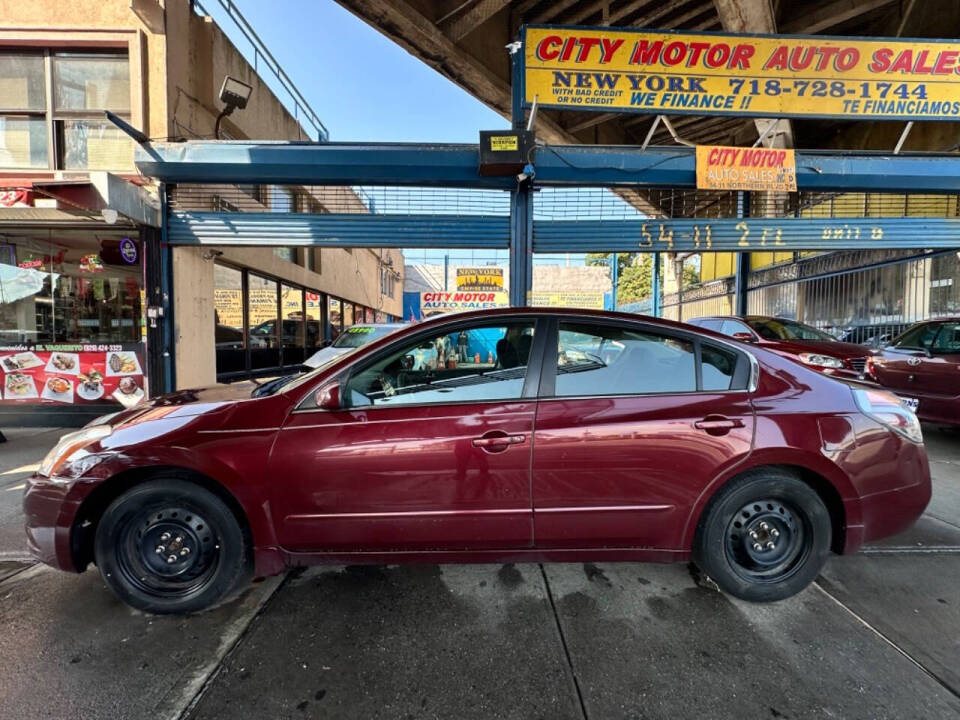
[[826, 361], [71, 447], [888, 410]]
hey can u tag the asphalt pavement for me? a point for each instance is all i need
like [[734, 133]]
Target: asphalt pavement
[[875, 637]]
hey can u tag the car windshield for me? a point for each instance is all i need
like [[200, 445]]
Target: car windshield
[[358, 335], [779, 329]]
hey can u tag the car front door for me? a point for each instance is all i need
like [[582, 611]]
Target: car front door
[[633, 422], [429, 451]]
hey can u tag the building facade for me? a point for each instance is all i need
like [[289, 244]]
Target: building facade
[[80, 269]]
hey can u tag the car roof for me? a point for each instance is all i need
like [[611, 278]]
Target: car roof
[[447, 318]]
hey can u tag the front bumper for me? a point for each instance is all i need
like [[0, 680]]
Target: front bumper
[[50, 512]]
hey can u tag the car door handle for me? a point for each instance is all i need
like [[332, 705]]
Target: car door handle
[[718, 424], [498, 440]]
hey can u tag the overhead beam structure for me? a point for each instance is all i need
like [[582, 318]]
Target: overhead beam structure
[[455, 165], [619, 168]]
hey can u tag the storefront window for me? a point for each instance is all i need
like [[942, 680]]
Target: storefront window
[[228, 316], [291, 309], [314, 329], [262, 318], [69, 287], [71, 320], [348, 315], [335, 317]]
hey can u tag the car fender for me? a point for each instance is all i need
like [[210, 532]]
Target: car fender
[[779, 456]]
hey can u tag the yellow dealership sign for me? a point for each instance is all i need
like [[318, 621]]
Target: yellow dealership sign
[[736, 168], [480, 278], [587, 300], [663, 73]]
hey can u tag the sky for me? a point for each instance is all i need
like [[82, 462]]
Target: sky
[[366, 88], [363, 86]]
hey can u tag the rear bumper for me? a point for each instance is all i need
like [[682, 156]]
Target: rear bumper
[[937, 408], [895, 510], [50, 513]]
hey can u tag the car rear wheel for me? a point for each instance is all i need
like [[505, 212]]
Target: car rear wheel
[[765, 536], [170, 546]]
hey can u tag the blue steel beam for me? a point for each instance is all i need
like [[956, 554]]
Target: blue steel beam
[[457, 231], [456, 166], [302, 163], [338, 230], [747, 234]]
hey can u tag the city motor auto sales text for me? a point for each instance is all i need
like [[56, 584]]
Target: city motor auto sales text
[[716, 55]]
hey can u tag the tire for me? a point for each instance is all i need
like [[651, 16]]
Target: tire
[[790, 524], [169, 546]]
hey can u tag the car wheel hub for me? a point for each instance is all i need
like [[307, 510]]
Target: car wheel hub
[[169, 551], [765, 539]]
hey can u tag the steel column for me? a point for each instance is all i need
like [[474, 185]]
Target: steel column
[[743, 259], [521, 244], [166, 291], [655, 284]]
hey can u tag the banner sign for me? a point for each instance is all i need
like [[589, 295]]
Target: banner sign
[[480, 278], [65, 374], [432, 303], [586, 300], [738, 168], [664, 73]]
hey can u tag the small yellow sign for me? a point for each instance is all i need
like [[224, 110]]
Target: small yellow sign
[[483, 278], [734, 168], [504, 142], [588, 300]]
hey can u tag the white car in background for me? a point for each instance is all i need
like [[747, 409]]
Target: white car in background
[[352, 337]]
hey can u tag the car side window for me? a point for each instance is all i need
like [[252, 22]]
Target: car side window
[[732, 327], [710, 324], [717, 367], [599, 360], [920, 337], [948, 339], [465, 364]]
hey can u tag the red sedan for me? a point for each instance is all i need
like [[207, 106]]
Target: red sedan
[[495, 436], [923, 365], [793, 339]]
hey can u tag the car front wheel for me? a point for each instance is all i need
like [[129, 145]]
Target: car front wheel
[[170, 546], [765, 536]]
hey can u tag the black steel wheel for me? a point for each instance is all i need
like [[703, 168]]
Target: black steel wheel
[[764, 536], [170, 546]]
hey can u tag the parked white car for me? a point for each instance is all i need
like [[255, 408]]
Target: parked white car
[[352, 337]]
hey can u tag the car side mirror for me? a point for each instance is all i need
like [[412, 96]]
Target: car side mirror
[[328, 396], [743, 337]]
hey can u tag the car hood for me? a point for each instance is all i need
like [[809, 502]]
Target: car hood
[[842, 350], [324, 355], [183, 403]]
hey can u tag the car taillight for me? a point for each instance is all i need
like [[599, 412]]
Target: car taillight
[[888, 410]]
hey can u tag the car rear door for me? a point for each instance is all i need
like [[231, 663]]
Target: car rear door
[[430, 452], [633, 422]]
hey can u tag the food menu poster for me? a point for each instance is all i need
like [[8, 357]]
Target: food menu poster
[[71, 374]]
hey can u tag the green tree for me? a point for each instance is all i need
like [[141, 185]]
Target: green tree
[[636, 281], [624, 260]]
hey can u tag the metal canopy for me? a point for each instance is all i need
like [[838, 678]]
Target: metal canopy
[[455, 165]]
